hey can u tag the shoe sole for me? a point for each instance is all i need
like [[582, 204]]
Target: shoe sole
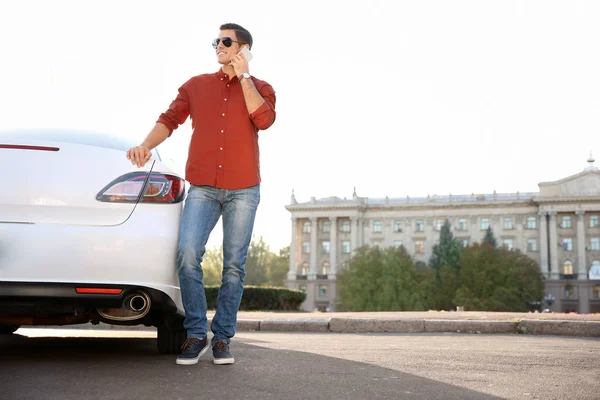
[[192, 361], [223, 361]]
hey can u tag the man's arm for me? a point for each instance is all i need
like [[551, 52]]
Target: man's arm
[[167, 122], [253, 98], [139, 155]]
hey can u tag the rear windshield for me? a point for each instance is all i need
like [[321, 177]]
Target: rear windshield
[[75, 137]]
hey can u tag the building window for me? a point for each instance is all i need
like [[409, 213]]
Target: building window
[[326, 226], [306, 227], [485, 223], [306, 247], [465, 243], [325, 268], [322, 291], [567, 268], [397, 244], [569, 291], [462, 224], [326, 247], [397, 226], [419, 247], [531, 223], [438, 224], [595, 244], [346, 226], [304, 269], [567, 244], [596, 292], [377, 226], [346, 247], [594, 221], [531, 244], [419, 226], [566, 222], [508, 243], [508, 224]]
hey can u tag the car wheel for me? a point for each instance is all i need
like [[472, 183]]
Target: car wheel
[[8, 329], [171, 336]]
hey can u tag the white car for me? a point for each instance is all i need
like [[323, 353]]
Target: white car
[[85, 236]]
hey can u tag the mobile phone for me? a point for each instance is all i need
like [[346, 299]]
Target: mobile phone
[[246, 52]]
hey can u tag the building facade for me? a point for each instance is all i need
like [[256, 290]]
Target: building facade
[[558, 227]]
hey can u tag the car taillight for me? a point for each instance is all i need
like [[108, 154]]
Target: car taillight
[[156, 188]]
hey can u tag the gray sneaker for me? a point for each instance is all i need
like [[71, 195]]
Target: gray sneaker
[[221, 353]]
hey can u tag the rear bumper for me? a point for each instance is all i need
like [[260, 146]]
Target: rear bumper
[[47, 302], [45, 260]]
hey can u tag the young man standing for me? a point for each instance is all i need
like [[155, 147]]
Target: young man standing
[[227, 109]]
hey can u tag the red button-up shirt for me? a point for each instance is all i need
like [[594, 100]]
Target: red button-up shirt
[[223, 150]]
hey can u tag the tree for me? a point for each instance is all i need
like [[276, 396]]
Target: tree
[[498, 279], [278, 268], [447, 250], [489, 237], [212, 266], [445, 261], [380, 280], [257, 261]]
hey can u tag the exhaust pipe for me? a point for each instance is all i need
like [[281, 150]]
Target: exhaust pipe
[[135, 306], [137, 303]]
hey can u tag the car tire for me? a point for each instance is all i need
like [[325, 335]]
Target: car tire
[[170, 337], [8, 329]]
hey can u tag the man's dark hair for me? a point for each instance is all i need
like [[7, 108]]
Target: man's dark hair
[[241, 33]]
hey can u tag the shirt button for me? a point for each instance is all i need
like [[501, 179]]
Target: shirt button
[[221, 78], [220, 166], [220, 148], [223, 114], [225, 99], [228, 85], [222, 131]]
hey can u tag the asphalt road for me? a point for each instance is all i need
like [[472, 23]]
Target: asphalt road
[[40, 364]]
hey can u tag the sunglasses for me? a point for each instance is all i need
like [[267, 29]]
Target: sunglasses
[[227, 42]]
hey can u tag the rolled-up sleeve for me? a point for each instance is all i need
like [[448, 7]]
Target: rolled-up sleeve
[[178, 111], [264, 116]]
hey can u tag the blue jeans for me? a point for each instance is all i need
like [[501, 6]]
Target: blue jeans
[[203, 207]]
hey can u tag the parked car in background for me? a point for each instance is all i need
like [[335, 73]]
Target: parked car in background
[[85, 236]]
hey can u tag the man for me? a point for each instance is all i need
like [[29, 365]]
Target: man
[[227, 109]]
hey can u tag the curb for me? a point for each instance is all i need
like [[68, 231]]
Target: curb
[[358, 325]]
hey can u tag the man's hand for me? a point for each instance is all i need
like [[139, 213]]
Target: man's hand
[[139, 155], [239, 64]]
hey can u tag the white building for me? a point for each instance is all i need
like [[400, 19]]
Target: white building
[[558, 227]]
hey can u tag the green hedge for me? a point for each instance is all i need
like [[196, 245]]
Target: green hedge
[[261, 298]]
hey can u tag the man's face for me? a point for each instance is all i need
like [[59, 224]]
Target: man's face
[[224, 53]]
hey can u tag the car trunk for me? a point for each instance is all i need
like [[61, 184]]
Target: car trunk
[[56, 182]]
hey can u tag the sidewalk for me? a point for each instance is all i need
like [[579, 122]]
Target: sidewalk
[[585, 325]]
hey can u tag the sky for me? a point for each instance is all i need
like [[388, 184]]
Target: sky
[[392, 98]]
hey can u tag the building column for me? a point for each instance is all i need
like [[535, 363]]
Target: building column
[[353, 233], [361, 232], [292, 272], [333, 245], [553, 247], [388, 228], [581, 261], [312, 270], [544, 244]]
